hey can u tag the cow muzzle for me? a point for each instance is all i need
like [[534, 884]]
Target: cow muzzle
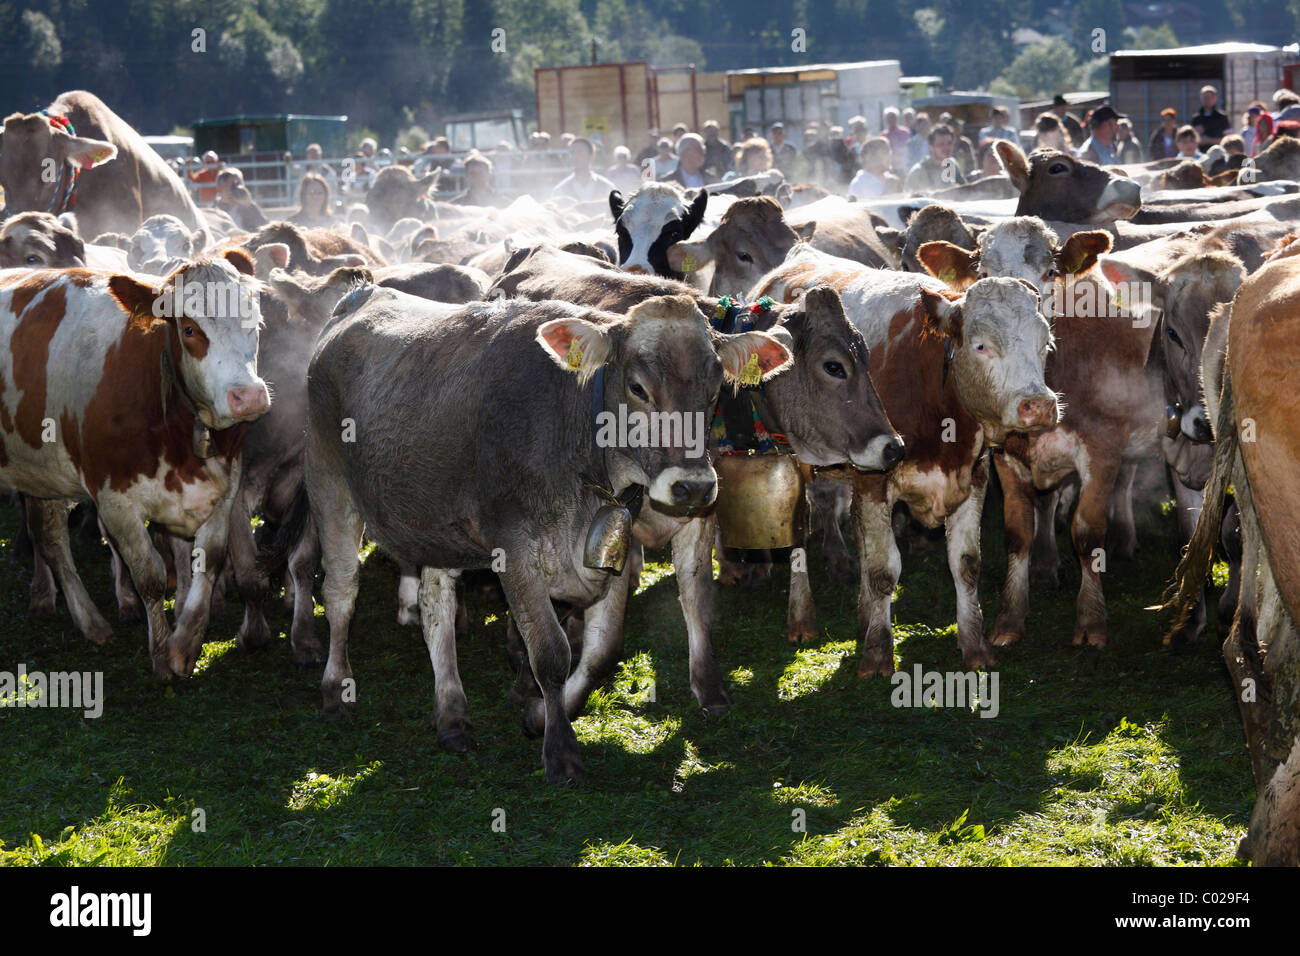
[[248, 402], [685, 489], [1037, 411]]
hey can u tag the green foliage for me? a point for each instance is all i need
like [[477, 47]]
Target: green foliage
[[1041, 69]]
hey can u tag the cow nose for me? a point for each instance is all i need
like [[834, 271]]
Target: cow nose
[[893, 452], [1201, 426], [1037, 411], [248, 401], [692, 494]]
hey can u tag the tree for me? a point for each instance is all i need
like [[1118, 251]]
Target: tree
[[1041, 69]]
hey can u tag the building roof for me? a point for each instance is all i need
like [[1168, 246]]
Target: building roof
[[812, 67], [1208, 49]]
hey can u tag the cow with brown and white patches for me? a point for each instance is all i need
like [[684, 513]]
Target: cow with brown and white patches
[[135, 397], [954, 373]]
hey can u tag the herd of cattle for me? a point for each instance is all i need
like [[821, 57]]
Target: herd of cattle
[[438, 372]]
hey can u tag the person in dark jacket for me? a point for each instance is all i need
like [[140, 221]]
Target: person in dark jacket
[[1073, 128], [717, 151], [691, 172], [1164, 144], [1210, 122]]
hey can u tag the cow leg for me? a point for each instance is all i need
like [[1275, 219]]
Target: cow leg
[[43, 590], [249, 577], [830, 504], [210, 546], [801, 616], [1189, 502], [1089, 533], [182, 558], [128, 602], [1230, 540], [126, 530], [1067, 495], [1044, 559], [340, 528], [962, 529], [437, 599], [301, 580], [408, 594], [693, 563], [1123, 530], [1023, 515], [880, 565], [548, 653], [48, 522]]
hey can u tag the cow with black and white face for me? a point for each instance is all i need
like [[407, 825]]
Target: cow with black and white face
[[649, 222]]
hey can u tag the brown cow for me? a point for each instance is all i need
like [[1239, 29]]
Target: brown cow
[[106, 171]]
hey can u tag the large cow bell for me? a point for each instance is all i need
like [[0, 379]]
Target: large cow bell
[[758, 498], [608, 537]]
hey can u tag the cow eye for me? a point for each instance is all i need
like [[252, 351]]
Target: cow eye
[[745, 257], [983, 275], [1050, 274], [981, 348], [33, 260], [1169, 330], [636, 389], [1057, 169], [835, 370], [189, 331]]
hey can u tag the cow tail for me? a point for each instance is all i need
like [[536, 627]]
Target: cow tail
[[1189, 579], [274, 551]]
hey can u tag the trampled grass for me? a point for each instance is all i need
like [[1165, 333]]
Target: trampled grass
[[1131, 756]]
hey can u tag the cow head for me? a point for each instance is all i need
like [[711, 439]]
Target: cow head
[[662, 359], [396, 194], [210, 308], [998, 341], [1193, 287], [1055, 185], [649, 221], [1019, 248], [933, 223], [1281, 160], [826, 404], [162, 244], [36, 240], [751, 240], [36, 157]]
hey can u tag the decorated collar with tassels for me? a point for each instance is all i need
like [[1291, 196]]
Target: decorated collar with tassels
[[743, 423], [63, 200]]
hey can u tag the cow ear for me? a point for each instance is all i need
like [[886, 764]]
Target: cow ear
[[948, 263], [942, 314], [616, 203], [88, 153], [1121, 273], [359, 234], [805, 230], [751, 357], [137, 299], [241, 260], [695, 214], [421, 234], [429, 181], [1080, 251], [1015, 163], [576, 345], [198, 241], [278, 253], [689, 256]]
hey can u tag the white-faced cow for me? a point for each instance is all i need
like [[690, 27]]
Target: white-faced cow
[[648, 223]]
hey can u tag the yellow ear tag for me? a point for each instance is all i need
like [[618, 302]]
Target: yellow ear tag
[[688, 263], [573, 358], [751, 374]]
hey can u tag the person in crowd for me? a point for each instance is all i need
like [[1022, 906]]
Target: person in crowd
[[1210, 122], [367, 159], [1069, 122], [679, 130], [690, 172], [896, 135], [962, 149], [875, 178], [479, 190], [650, 150], [1127, 148], [816, 154], [665, 160], [206, 177], [755, 157], [234, 199], [1250, 125], [566, 140], [1000, 127], [1163, 143], [1103, 127], [315, 163], [582, 184], [858, 134], [314, 206], [717, 151], [784, 153], [1287, 105], [1233, 144], [624, 173], [918, 144], [938, 170], [844, 162], [1188, 143], [987, 159], [1049, 133]]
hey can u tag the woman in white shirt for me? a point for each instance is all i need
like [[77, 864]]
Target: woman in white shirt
[[874, 178]]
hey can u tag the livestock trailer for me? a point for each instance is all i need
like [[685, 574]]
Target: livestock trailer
[[620, 102], [830, 93], [1143, 82]]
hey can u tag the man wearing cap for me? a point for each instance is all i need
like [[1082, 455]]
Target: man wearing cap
[[1210, 122], [783, 154], [1163, 144], [1073, 128], [1099, 148]]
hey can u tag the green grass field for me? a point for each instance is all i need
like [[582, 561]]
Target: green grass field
[[1132, 756]]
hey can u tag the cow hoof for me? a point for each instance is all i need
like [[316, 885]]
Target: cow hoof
[[162, 670], [981, 659], [729, 573], [1181, 639], [408, 616], [563, 765], [714, 701], [41, 607], [457, 737], [309, 656], [801, 634], [100, 634], [839, 569], [876, 663], [254, 638], [1003, 637], [533, 718], [1090, 638]]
